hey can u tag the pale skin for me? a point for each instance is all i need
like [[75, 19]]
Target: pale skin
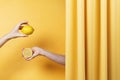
[[54, 57], [36, 50], [13, 33]]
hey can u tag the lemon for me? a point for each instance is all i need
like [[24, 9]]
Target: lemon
[[27, 30], [27, 52]]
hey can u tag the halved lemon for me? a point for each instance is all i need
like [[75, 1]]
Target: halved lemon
[[27, 52]]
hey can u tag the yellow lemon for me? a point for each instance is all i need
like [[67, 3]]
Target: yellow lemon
[[27, 52], [27, 29]]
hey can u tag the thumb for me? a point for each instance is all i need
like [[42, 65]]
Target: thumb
[[33, 56], [23, 35]]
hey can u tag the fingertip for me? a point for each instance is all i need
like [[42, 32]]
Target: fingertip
[[28, 59], [24, 35], [22, 49], [23, 22], [20, 28]]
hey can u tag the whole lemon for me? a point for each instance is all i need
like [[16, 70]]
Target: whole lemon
[[27, 29]]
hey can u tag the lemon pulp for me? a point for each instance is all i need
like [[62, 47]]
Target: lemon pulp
[[27, 52]]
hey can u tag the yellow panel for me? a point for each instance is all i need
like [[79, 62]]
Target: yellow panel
[[81, 28], [103, 40], [71, 40], [115, 40], [93, 39], [48, 19]]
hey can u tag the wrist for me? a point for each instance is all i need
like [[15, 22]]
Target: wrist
[[9, 36], [42, 52]]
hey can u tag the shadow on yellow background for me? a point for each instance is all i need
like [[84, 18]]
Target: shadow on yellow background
[[48, 19]]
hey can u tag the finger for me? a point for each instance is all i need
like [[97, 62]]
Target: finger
[[23, 22], [33, 49], [33, 56], [19, 25], [22, 49], [22, 25], [22, 52], [28, 58], [23, 35]]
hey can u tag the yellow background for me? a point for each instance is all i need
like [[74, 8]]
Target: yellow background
[[48, 19]]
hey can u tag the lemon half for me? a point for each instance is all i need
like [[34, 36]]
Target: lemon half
[[27, 30], [27, 52]]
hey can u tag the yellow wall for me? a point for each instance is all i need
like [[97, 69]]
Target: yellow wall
[[48, 19]]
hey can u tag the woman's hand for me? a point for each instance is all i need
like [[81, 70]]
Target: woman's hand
[[36, 51], [15, 32], [54, 57]]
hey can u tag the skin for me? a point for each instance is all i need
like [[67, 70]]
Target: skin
[[37, 51], [13, 34]]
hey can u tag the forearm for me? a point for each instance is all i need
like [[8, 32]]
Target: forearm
[[14, 33], [4, 39], [55, 57]]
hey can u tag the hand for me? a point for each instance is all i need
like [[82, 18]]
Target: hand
[[36, 51], [15, 32]]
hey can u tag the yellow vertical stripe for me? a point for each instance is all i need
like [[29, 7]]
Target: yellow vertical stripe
[[93, 39], [81, 38], [113, 37], [71, 40], [118, 39], [103, 39]]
